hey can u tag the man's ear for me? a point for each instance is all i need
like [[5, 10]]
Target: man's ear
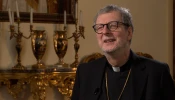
[[130, 33]]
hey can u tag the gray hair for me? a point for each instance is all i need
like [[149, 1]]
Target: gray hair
[[126, 15]]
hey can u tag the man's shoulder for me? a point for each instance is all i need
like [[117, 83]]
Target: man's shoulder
[[95, 64], [152, 63]]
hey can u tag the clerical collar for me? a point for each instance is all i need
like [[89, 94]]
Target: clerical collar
[[116, 69], [123, 68]]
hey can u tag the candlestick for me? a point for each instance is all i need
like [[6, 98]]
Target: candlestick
[[81, 18], [31, 16], [10, 17], [65, 18], [17, 10], [18, 35], [76, 11]]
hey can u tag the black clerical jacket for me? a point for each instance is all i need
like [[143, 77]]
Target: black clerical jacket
[[151, 80]]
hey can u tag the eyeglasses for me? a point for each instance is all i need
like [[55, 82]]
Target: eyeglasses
[[112, 26]]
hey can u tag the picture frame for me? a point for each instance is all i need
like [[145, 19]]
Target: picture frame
[[50, 17]]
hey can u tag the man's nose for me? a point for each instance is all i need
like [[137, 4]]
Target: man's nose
[[106, 30]]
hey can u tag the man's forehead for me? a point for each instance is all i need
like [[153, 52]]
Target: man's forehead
[[107, 17]]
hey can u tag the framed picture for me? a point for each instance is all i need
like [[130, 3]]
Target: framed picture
[[55, 12]]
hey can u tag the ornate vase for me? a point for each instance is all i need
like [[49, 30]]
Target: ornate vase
[[39, 43], [60, 45]]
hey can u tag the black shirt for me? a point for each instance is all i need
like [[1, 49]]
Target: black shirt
[[116, 81]]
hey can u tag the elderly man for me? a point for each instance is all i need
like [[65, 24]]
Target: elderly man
[[121, 74]]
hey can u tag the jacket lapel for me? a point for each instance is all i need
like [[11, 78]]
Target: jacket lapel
[[97, 78], [138, 77]]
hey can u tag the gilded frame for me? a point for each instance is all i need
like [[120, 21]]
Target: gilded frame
[[46, 17]]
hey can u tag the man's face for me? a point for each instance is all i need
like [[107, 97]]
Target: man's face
[[110, 41]]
